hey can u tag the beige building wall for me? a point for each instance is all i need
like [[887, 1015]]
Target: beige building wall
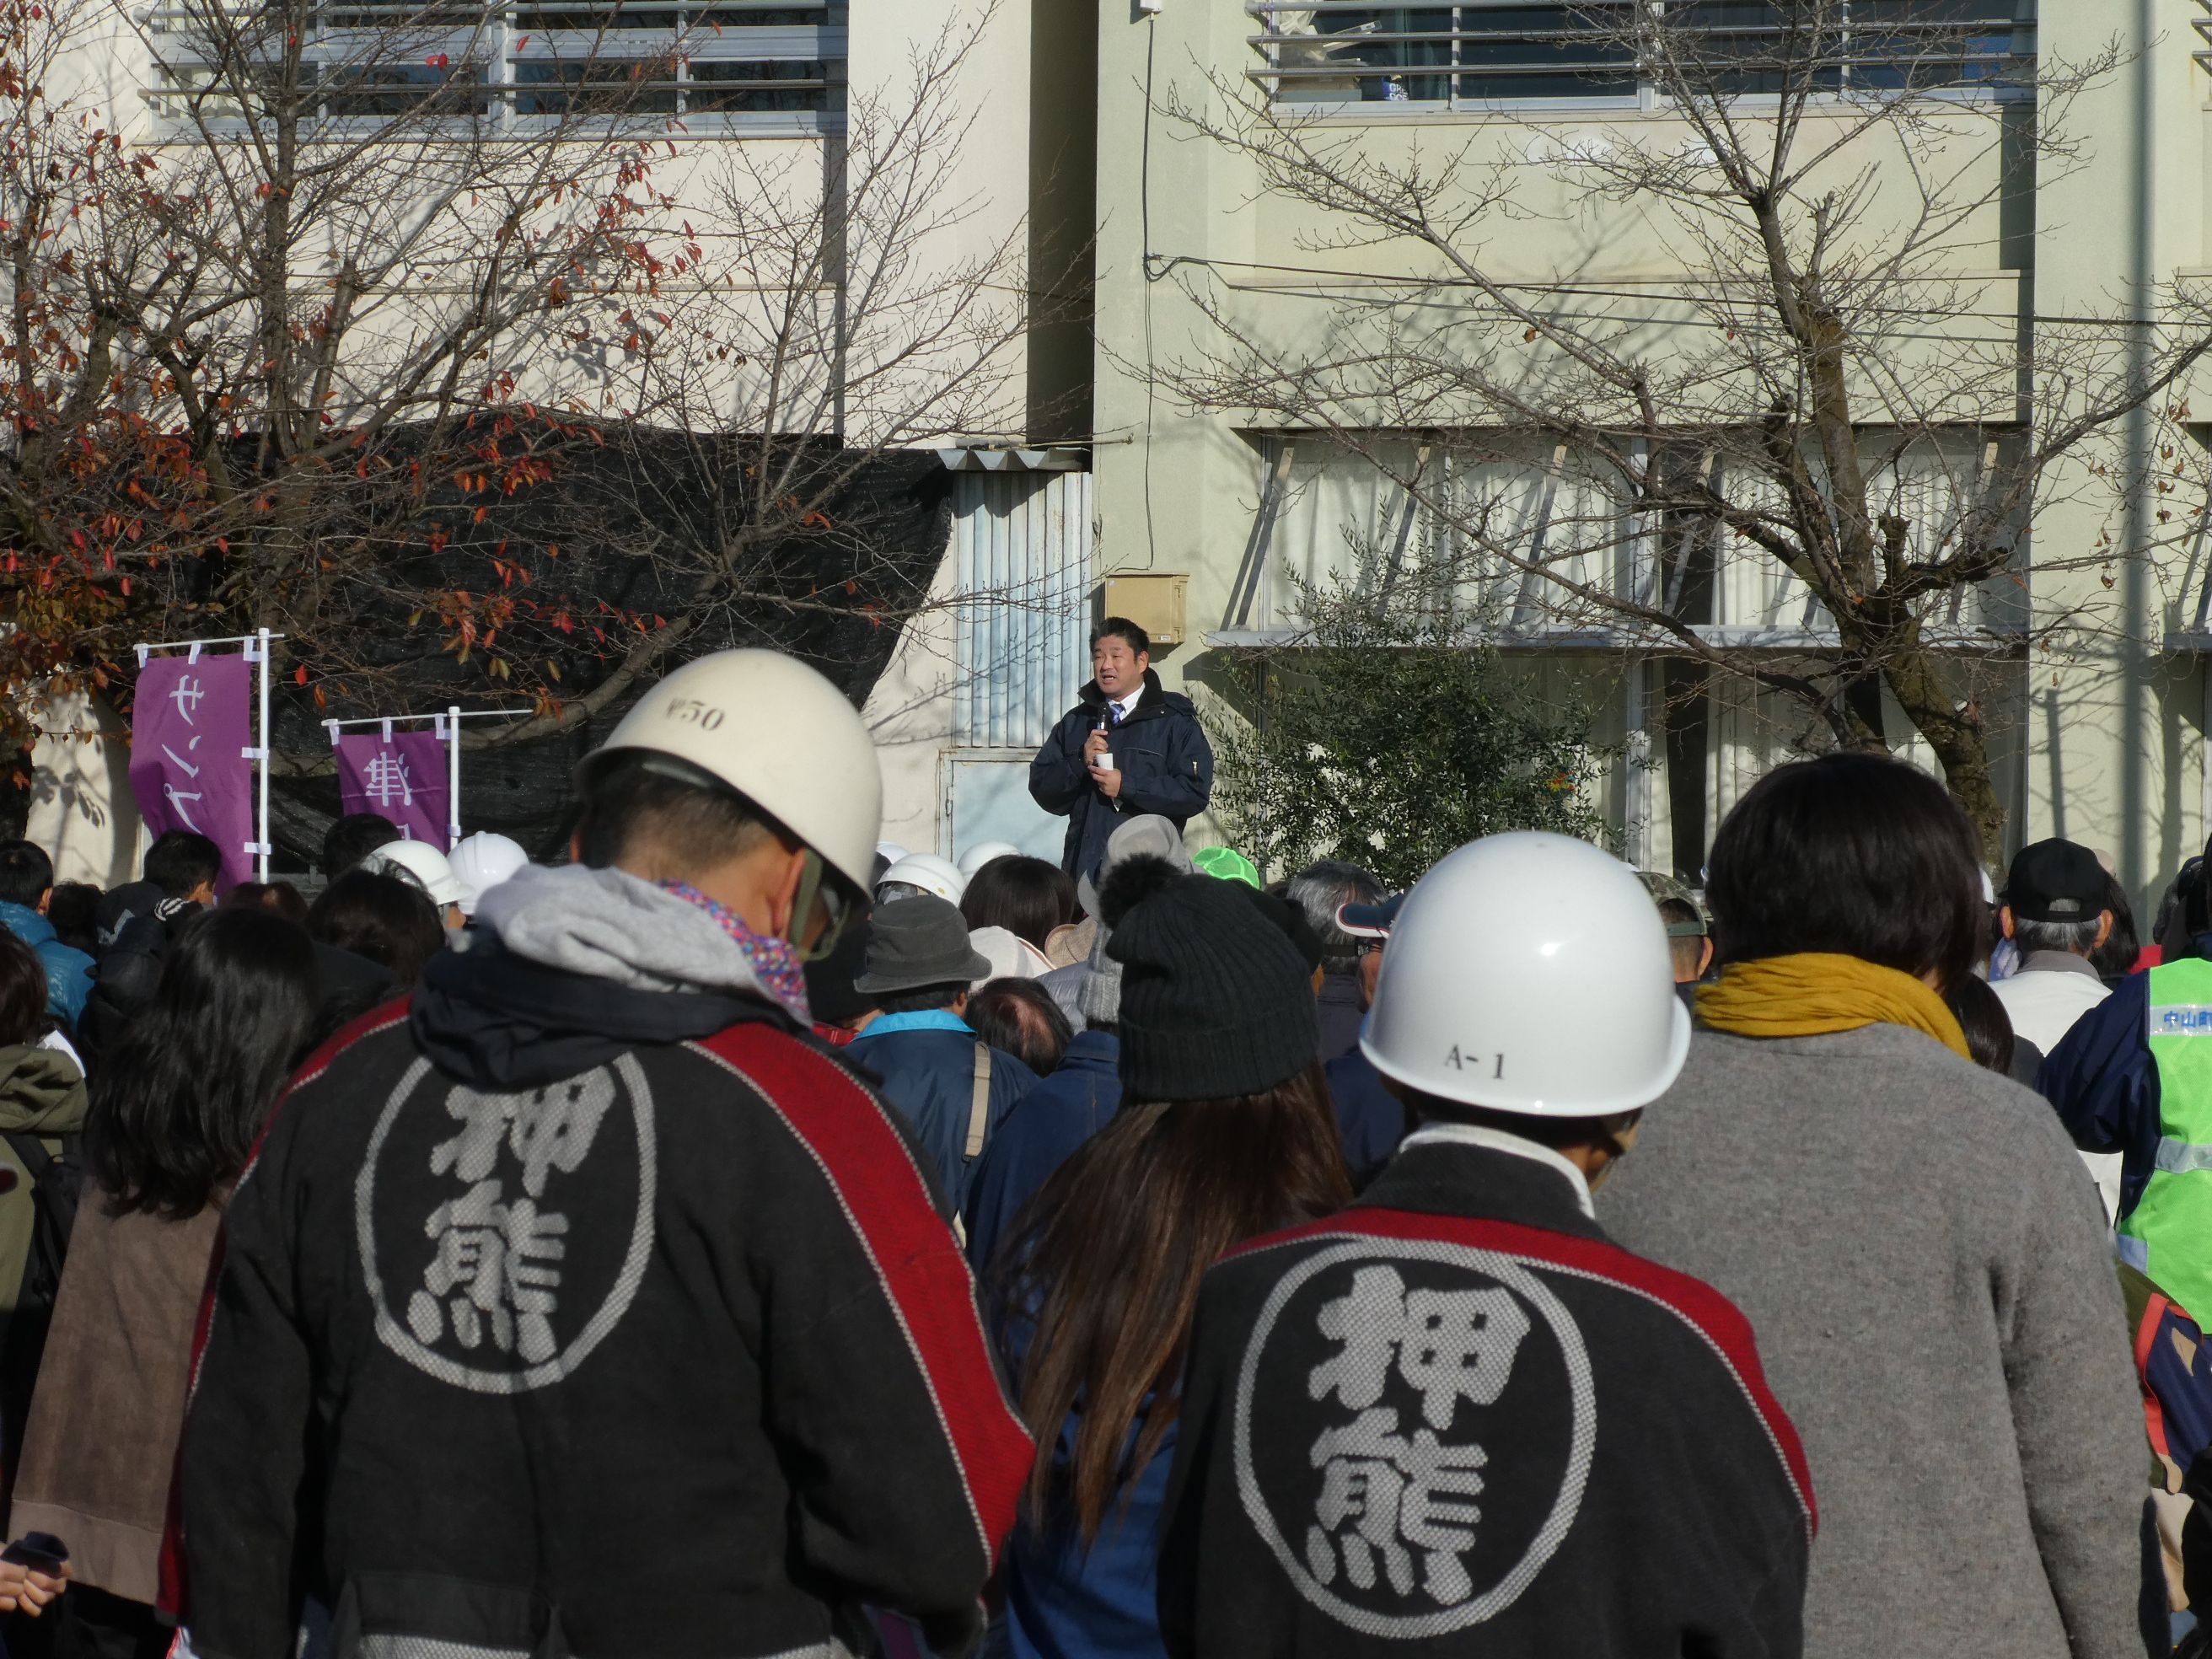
[[2103, 738], [1006, 146]]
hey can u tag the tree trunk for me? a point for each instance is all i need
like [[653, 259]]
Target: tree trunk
[[1955, 734]]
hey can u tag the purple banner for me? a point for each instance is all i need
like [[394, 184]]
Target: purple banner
[[190, 723], [401, 777]]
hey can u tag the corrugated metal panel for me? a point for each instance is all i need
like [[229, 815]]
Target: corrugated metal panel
[[1023, 540]]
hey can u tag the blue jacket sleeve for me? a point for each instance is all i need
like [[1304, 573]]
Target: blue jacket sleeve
[[1057, 776], [69, 982], [2101, 1076], [1180, 783]]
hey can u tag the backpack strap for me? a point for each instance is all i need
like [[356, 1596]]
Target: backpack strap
[[33, 1157], [979, 1103]]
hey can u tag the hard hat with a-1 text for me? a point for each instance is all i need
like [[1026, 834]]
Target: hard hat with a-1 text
[[1529, 973], [774, 731]]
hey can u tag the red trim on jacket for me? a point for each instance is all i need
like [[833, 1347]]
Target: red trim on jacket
[[1697, 1303], [362, 1025], [924, 1274]]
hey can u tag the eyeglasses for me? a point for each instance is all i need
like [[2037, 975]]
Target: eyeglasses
[[1370, 947]]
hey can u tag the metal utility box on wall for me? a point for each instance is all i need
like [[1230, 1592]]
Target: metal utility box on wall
[[1153, 599]]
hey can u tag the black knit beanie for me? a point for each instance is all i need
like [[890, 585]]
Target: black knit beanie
[[1215, 999]]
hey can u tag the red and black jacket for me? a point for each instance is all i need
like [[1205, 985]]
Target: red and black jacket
[[564, 1319], [1454, 1419]]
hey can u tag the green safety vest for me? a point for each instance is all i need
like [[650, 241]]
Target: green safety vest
[[2168, 1237]]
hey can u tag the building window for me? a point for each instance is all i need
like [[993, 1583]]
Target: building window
[[717, 66], [1501, 533], [1490, 53]]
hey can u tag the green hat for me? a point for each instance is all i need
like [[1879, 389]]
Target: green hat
[[1226, 863]]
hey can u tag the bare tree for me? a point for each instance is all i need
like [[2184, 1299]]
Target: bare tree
[[1819, 383], [474, 344]]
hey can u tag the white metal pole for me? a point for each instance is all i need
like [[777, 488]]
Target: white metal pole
[[453, 777], [261, 839]]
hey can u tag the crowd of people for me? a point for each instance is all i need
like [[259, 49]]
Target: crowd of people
[[736, 1234]]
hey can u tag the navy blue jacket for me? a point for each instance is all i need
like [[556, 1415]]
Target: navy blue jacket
[[1043, 1131], [1165, 762], [929, 1075], [1372, 1120], [2103, 1081]]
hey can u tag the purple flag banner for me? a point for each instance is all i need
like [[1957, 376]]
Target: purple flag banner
[[401, 777], [189, 726]]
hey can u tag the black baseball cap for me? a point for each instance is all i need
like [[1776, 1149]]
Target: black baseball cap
[[1370, 921], [2055, 880]]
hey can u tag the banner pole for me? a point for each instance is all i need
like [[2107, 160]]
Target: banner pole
[[453, 777], [261, 849]]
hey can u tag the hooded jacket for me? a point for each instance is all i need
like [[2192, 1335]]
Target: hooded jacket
[[1454, 1419], [588, 1306], [41, 1093], [69, 970], [1165, 762]]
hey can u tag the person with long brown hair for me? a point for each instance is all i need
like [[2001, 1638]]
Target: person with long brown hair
[[1225, 1133]]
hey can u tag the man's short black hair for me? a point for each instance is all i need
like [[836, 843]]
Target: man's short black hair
[[1854, 854], [919, 999], [1554, 1131], [26, 873], [181, 862], [353, 838], [1139, 642], [637, 806]]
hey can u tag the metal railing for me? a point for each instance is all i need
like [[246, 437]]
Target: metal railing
[[744, 64], [1485, 53]]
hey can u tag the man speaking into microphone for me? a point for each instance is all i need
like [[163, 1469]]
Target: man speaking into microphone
[[1126, 748]]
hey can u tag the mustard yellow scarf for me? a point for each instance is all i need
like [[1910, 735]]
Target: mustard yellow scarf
[[1813, 992]]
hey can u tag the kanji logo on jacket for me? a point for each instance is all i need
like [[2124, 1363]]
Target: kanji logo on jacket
[[1415, 1428], [503, 1235]]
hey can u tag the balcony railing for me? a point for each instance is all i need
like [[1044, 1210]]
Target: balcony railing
[[1486, 53]]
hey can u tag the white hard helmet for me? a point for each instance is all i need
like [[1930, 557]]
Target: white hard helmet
[[890, 851], [777, 732], [423, 865], [483, 860], [983, 852], [1529, 973], [925, 872]]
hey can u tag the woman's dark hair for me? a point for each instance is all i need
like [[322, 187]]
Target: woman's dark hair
[[1019, 1015], [176, 1110], [1026, 896], [23, 993], [279, 897], [2116, 957], [1103, 1263], [1854, 854], [389, 921], [73, 907], [1982, 1016]]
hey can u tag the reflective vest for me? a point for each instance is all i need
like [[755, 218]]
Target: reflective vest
[[2168, 1237]]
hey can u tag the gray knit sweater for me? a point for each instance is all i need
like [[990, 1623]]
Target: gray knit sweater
[[1924, 1262]]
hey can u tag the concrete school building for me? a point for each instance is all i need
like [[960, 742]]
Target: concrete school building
[[1103, 491], [786, 80], [2101, 735], [2092, 670]]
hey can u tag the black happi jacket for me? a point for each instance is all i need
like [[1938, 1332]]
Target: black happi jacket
[[1166, 762], [1454, 1420], [567, 1319]]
